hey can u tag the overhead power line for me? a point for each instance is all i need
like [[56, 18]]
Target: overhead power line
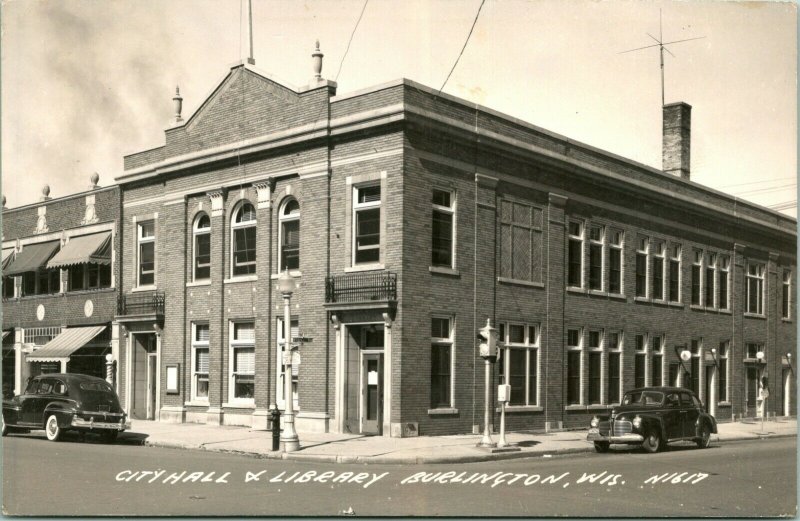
[[767, 181], [352, 34], [766, 189], [783, 206], [464, 47]]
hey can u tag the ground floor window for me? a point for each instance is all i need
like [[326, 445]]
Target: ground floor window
[[242, 361], [573, 378], [613, 377], [519, 362], [638, 370], [200, 361]]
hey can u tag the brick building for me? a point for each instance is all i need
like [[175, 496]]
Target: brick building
[[408, 217], [60, 275]]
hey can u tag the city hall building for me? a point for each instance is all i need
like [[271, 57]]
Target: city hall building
[[60, 272], [408, 218]]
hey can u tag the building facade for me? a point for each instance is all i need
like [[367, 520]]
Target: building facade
[[60, 274], [407, 218]]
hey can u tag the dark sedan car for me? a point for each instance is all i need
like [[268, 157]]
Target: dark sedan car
[[61, 402], [652, 417]]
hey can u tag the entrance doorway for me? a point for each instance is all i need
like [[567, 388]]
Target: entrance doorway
[[750, 391], [145, 376], [364, 379]]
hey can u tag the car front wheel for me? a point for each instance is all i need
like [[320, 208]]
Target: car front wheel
[[705, 437], [601, 446], [652, 441], [51, 428]]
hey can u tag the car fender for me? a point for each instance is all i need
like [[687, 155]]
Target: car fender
[[703, 419], [63, 412], [651, 421], [10, 412]]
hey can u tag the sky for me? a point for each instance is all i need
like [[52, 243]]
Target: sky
[[85, 82]]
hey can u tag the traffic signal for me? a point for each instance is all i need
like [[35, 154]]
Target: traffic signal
[[488, 337]]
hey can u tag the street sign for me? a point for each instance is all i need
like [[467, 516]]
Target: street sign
[[295, 358], [287, 357]]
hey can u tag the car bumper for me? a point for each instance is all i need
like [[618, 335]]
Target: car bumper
[[594, 435], [91, 424]]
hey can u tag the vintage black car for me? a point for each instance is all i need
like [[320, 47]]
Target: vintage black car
[[652, 417], [63, 402]]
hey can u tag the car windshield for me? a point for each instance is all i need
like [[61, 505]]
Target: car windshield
[[643, 398], [102, 387]]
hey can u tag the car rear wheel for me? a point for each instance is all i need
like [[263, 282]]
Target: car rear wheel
[[705, 437], [652, 441], [51, 428], [601, 446], [110, 436]]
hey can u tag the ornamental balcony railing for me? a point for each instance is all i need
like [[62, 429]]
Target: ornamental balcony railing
[[361, 287], [151, 303]]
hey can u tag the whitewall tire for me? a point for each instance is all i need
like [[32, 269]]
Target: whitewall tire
[[51, 428]]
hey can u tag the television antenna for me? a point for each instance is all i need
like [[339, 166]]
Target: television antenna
[[661, 44]]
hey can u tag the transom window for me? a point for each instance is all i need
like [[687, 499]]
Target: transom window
[[201, 232], [367, 224], [289, 217], [243, 246]]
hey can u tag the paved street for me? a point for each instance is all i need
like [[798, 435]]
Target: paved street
[[749, 478]]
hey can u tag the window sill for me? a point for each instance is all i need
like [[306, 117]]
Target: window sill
[[244, 404], [707, 309], [196, 403], [520, 282], [198, 283], [521, 408], [137, 289], [787, 320], [242, 278], [293, 273], [444, 271], [599, 293], [754, 315], [364, 267], [575, 407], [442, 411], [724, 404], [575, 289], [598, 407]]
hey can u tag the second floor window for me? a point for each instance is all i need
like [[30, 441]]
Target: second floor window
[[147, 254], [697, 270], [711, 277], [675, 273], [289, 217], [202, 247], [575, 255], [89, 276], [243, 245], [754, 299], [787, 295], [520, 241], [641, 267], [615, 262], [367, 224], [658, 260], [41, 282], [724, 264], [443, 229], [597, 238]]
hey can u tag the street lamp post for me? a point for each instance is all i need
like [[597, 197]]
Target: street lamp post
[[291, 443]]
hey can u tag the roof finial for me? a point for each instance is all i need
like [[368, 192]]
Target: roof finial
[[316, 57], [250, 59], [45, 193], [95, 177], [178, 102], [4, 201]]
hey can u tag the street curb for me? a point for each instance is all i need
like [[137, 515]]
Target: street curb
[[418, 460]]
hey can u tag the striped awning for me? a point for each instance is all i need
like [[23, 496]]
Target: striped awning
[[86, 248], [5, 334], [66, 343], [7, 257], [32, 257]]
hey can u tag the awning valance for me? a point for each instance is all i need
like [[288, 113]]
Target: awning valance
[[7, 257], [87, 248], [32, 257], [66, 343]]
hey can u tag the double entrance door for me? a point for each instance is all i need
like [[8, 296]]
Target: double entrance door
[[144, 365], [364, 379]]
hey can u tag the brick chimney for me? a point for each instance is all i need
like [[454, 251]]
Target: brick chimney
[[677, 139]]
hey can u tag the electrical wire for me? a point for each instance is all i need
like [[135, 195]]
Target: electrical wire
[[352, 34], [475, 21]]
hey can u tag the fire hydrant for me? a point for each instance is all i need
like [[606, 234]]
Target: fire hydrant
[[275, 419]]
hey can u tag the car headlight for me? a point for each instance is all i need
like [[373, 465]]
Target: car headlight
[[594, 422], [637, 421]]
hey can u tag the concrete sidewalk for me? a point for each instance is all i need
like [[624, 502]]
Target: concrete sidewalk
[[348, 448]]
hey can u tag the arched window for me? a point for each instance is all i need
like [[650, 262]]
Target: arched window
[[201, 232], [289, 240], [243, 245]]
